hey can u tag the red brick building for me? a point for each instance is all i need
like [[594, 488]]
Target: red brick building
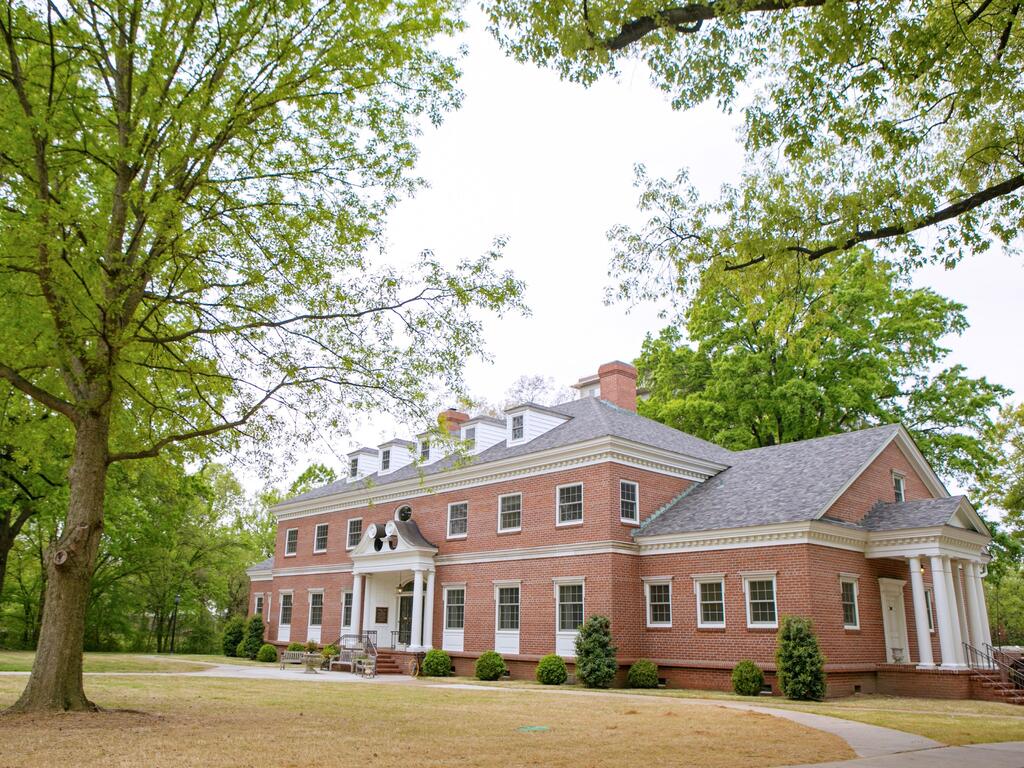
[[511, 532]]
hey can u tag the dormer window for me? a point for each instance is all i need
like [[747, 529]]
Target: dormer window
[[899, 487], [353, 468], [425, 450], [517, 427], [385, 459], [470, 438]]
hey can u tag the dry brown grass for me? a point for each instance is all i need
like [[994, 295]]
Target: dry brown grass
[[193, 721]]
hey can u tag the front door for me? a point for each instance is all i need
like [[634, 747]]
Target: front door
[[405, 619], [894, 621]]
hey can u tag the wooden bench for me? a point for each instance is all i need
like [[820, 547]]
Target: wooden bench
[[293, 657]]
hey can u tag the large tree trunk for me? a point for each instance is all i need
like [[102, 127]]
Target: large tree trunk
[[56, 680], [5, 550]]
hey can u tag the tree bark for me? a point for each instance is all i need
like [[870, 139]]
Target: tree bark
[[56, 680]]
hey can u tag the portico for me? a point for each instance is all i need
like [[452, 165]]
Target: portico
[[393, 586]]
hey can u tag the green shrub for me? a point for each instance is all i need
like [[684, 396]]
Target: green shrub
[[799, 662], [595, 654], [234, 632], [747, 679], [253, 636], [551, 670], [266, 653], [311, 646], [330, 651], [296, 646], [240, 649], [436, 663], [643, 674], [490, 666]]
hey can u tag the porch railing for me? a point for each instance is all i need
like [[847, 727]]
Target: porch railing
[[996, 665]]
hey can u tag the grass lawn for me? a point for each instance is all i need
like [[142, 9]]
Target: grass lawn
[[21, 661], [198, 721], [948, 721]]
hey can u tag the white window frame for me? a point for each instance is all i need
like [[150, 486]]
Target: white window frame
[[636, 493], [316, 536], [280, 609], [929, 599], [424, 448], [466, 533], [559, 523], [309, 614], [522, 428], [499, 585], [348, 532], [347, 593], [901, 479], [771, 576], [661, 581], [385, 459], [708, 578], [287, 533], [353, 467], [520, 526], [258, 609], [568, 581], [854, 579], [470, 438], [456, 588]]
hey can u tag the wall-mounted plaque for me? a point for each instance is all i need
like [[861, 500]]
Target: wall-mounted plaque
[[381, 616]]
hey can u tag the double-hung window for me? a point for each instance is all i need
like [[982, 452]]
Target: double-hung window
[[355, 532], [458, 520], [286, 609], [455, 608], [346, 609], [710, 601], [517, 427], [291, 541], [570, 504], [848, 595], [259, 605], [425, 450], [629, 501], [659, 602], [760, 592], [316, 609], [899, 487], [353, 467], [470, 438], [928, 607], [510, 512], [570, 607], [385, 459], [320, 539], [508, 609]]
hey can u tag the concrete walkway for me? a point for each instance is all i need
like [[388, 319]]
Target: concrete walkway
[[1009, 754]]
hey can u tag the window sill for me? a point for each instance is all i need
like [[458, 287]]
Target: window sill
[[630, 523], [657, 627], [319, 551], [457, 536], [711, 627], [763, 627], [293, 554], [507, 531], [851, 629], [569, 524]]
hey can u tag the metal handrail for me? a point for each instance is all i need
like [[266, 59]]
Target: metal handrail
[[1008, 673]]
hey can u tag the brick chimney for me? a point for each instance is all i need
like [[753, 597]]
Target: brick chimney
[[618, 384], [452, 420]]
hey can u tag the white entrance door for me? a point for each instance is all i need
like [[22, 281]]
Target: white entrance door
[[894, 621]]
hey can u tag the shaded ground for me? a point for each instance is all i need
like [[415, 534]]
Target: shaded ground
[[193, 721], [21, 661]]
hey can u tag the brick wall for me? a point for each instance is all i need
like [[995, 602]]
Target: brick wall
[[875, 484]]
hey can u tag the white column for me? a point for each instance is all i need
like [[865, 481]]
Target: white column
[[367, 581], [943, 619], [976, 605], [961, 606], [416, 641], [924, 638], [957, 656], [428, 616], [357, 604]]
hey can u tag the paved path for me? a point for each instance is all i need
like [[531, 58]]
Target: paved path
[[1009, 754]]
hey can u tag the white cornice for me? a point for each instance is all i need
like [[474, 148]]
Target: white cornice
[[596, 451], [777, 534], [311, 570], [537, 553]]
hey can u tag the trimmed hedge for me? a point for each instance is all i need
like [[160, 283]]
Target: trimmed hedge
[[436, 663], [747, 679], [551, 670], [799, 662], [595, 654], [234, 633], [296, 646], [266, 653], [643, 674], [490, 666]]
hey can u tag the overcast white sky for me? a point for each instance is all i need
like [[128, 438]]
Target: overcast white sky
[[550, 165]]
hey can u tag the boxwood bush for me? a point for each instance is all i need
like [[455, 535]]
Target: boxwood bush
[[490, 666], [551, 670], [234, 633], [595, 654], [643, 674], [799, 660], [266, 653], [747, 678], [296, 646], [436, 663]]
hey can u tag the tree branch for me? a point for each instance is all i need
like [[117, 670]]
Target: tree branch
[[38, 394]]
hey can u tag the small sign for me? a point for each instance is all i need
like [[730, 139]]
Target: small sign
[[381, 616], [532, 728]]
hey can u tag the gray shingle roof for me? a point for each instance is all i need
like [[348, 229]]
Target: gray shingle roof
[[911, 514], [411, 533], [589, 418], [777, 484], [263, 565]]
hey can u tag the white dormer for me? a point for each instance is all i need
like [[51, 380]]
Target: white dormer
[[588, 386], [481, 433], [525, 422], [361, 462], [394, 454], [426, 451]]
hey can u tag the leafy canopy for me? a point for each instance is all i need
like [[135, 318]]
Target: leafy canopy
[[797, 349], [876, 121]]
